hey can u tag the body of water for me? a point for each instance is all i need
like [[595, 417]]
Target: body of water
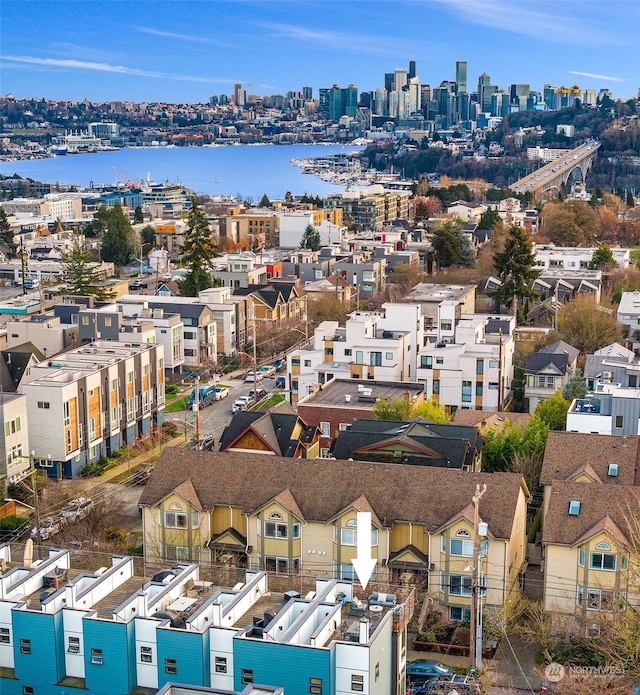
[[238, 170]]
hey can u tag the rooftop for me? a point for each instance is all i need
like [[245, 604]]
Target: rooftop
[[362, 393]]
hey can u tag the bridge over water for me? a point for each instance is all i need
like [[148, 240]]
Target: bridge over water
[[548, 180]]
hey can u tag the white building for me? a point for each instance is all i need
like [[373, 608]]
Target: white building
[[574, 258], [474, 369], [381, 346], [14, 439], [629, 315], [293, 224]]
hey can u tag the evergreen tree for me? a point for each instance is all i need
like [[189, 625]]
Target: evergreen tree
[[288, 197], [489, 219], [137, 215], [79, 278], [576, 387], [515, 269], [310, 238], [6, 233], [264, 201], [630, 199], [118, 245], [602, 257], [446, 245], [198, 253], [148, 235]]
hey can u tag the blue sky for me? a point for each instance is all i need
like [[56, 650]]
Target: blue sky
[[187, 50]]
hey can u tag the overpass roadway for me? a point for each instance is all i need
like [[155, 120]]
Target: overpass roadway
[[552, 176]]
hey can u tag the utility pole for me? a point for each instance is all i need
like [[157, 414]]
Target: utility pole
[[500, 372], [196, 412], [475, 626]]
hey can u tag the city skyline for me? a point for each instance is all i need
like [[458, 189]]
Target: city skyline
[[188, 51]]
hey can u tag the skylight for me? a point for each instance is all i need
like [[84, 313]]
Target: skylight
[[574, 507]]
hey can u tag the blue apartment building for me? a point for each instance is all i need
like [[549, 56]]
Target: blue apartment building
[[108, 632]]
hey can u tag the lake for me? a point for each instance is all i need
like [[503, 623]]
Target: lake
[[247, 171]]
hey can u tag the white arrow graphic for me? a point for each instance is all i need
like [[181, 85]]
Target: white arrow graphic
[[364, 563]]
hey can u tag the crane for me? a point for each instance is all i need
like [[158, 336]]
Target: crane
[[129, 183]]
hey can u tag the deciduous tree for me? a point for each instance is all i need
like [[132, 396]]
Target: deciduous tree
[[588, 326], [198, 253]]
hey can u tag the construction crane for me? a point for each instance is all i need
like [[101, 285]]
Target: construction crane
[[129, 183]]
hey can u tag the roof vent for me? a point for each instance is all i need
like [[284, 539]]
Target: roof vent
[[574, 507]]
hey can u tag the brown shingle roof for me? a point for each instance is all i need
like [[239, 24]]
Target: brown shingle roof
[[598, 511], [482, 418], [322, 488], [567, 451]]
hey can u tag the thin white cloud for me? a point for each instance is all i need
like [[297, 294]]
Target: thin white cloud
[[181, 37], [339, 40], [541, 21], [596, 76], [70, 64]]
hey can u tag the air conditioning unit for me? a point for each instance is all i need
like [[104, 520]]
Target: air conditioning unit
[[607, 375]]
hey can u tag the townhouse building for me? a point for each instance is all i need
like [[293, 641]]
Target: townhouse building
[[90, 401], [574, 258], [335, 406], [589, 502], [14, 439], [441, 306], [109, 631], [548, 371], [629, 316], [475, 369], [302, 519], [328, 224], [375, 346]]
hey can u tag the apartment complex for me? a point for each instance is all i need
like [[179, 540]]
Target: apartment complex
[[91, 401], [372, 208]]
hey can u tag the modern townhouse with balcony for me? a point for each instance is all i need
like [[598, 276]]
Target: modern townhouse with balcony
[[290, 518], [92, 400], [629, 316], [574, 258], [376, 346], [14, 439], [107, 630], [472, 368]]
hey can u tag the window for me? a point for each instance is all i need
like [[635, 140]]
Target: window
[[493, 386], [146, 655], [459, 585], [295, 530], [359, 357], [221, 664], [388, 355], [551, 382], [27, 690], [45, 405], [85, 320], [479, 366], [107, 320], [347, 352], [460, 547], [246, 676], [375, 359], [479, 388], [5, 635], [325, 428], [459, 614], [493, 364], [602, 561], [596, 599], [173, 520], [315, 686], [377, 671], [73, 647], [307, 363], [25, 646], [574, 507], [436, 387], [12, 426], [170, 666], [466, 392], [280, 565], [445, 325], [96, 657], [273, 530], [439, 360], [349, 536], [581, 557], [426, 361], [619, 421], [542, 380], [357, 683]]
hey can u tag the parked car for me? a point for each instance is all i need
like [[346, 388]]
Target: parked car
[[206, 443], [49, 527], [281, 382], [221, 393], [279, 364], [142, 475], [77, 509], [463, 685], [423, 669], [253, 376], [268, 371], [206, 396], [241, 403], [258, 394]]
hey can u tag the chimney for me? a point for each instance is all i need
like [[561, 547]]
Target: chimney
[[364, 631]]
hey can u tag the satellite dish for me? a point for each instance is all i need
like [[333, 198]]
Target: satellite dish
[[28, 553]]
